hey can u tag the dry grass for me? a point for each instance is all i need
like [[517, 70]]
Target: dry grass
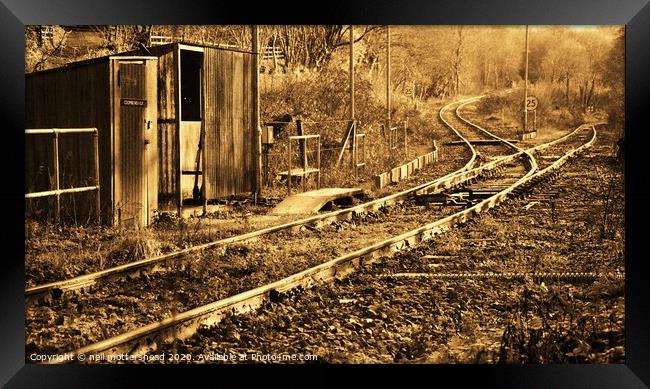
[[133, 245]]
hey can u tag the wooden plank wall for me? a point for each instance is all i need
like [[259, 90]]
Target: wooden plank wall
[[131, 191], [73, 97], [230, 152]]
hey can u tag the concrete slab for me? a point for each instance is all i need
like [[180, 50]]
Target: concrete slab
[[310, 202], [403, 172], [381, 180], [395, 175]]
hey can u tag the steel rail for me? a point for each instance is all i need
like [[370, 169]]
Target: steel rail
[[87, 280], [506, 275], [183, 325]]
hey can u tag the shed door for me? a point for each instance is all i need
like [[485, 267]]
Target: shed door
[[230, 136], [133, 206]]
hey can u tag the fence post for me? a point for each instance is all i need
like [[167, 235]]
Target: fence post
[[304, 165], [364, 149], [55, 152], [302, 143], [318, 161], [96, 152], [405, 145], [289, 171]]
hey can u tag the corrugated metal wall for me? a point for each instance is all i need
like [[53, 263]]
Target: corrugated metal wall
[[74, 97], [228, 118], [167, 147]]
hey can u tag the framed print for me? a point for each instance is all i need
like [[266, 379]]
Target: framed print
[[438, 189]]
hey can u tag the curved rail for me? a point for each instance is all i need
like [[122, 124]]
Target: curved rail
[[87, 280], [143, 339]]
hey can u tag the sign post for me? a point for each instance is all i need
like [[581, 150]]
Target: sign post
[[531, 105]]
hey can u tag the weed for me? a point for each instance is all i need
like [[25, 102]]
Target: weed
[[134, 245]]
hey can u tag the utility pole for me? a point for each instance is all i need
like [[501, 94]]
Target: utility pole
[[388, 79], [354, 127], [526, 86], [351, 72]]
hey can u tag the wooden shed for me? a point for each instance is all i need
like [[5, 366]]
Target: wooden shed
[[117, 95], [207, 122]]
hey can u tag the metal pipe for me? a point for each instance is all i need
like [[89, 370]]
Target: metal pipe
[[55, 152], [96, 153], [60, 131], [60, 192]]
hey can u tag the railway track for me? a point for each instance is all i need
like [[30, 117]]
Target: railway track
[[383, 315], [87, 282], [179, 325]]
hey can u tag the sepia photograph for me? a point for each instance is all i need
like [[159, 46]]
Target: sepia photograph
[[339, 194]]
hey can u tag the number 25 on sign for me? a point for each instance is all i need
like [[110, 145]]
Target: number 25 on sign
[[531, 103]]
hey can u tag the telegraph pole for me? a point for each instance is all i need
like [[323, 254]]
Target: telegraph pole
[[351, 72], [388, 79], [353, 133], [526, 86]]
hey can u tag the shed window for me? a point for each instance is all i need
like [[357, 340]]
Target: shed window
[[191, 63]]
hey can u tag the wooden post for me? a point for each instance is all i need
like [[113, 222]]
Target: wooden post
[[302, 143], [289, 171], [178, 163], [364, 149], [405, 145], [55, 160], [96, 156], [204, 165], [318, 161], [435, 151], [534, 120], [304, 166]]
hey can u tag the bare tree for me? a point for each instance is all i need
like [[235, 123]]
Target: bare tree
[[40, 49], [312, 46]]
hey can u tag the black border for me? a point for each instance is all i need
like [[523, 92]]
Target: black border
[[14, 14]]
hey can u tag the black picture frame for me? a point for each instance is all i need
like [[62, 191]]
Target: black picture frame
[[15, 14]]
